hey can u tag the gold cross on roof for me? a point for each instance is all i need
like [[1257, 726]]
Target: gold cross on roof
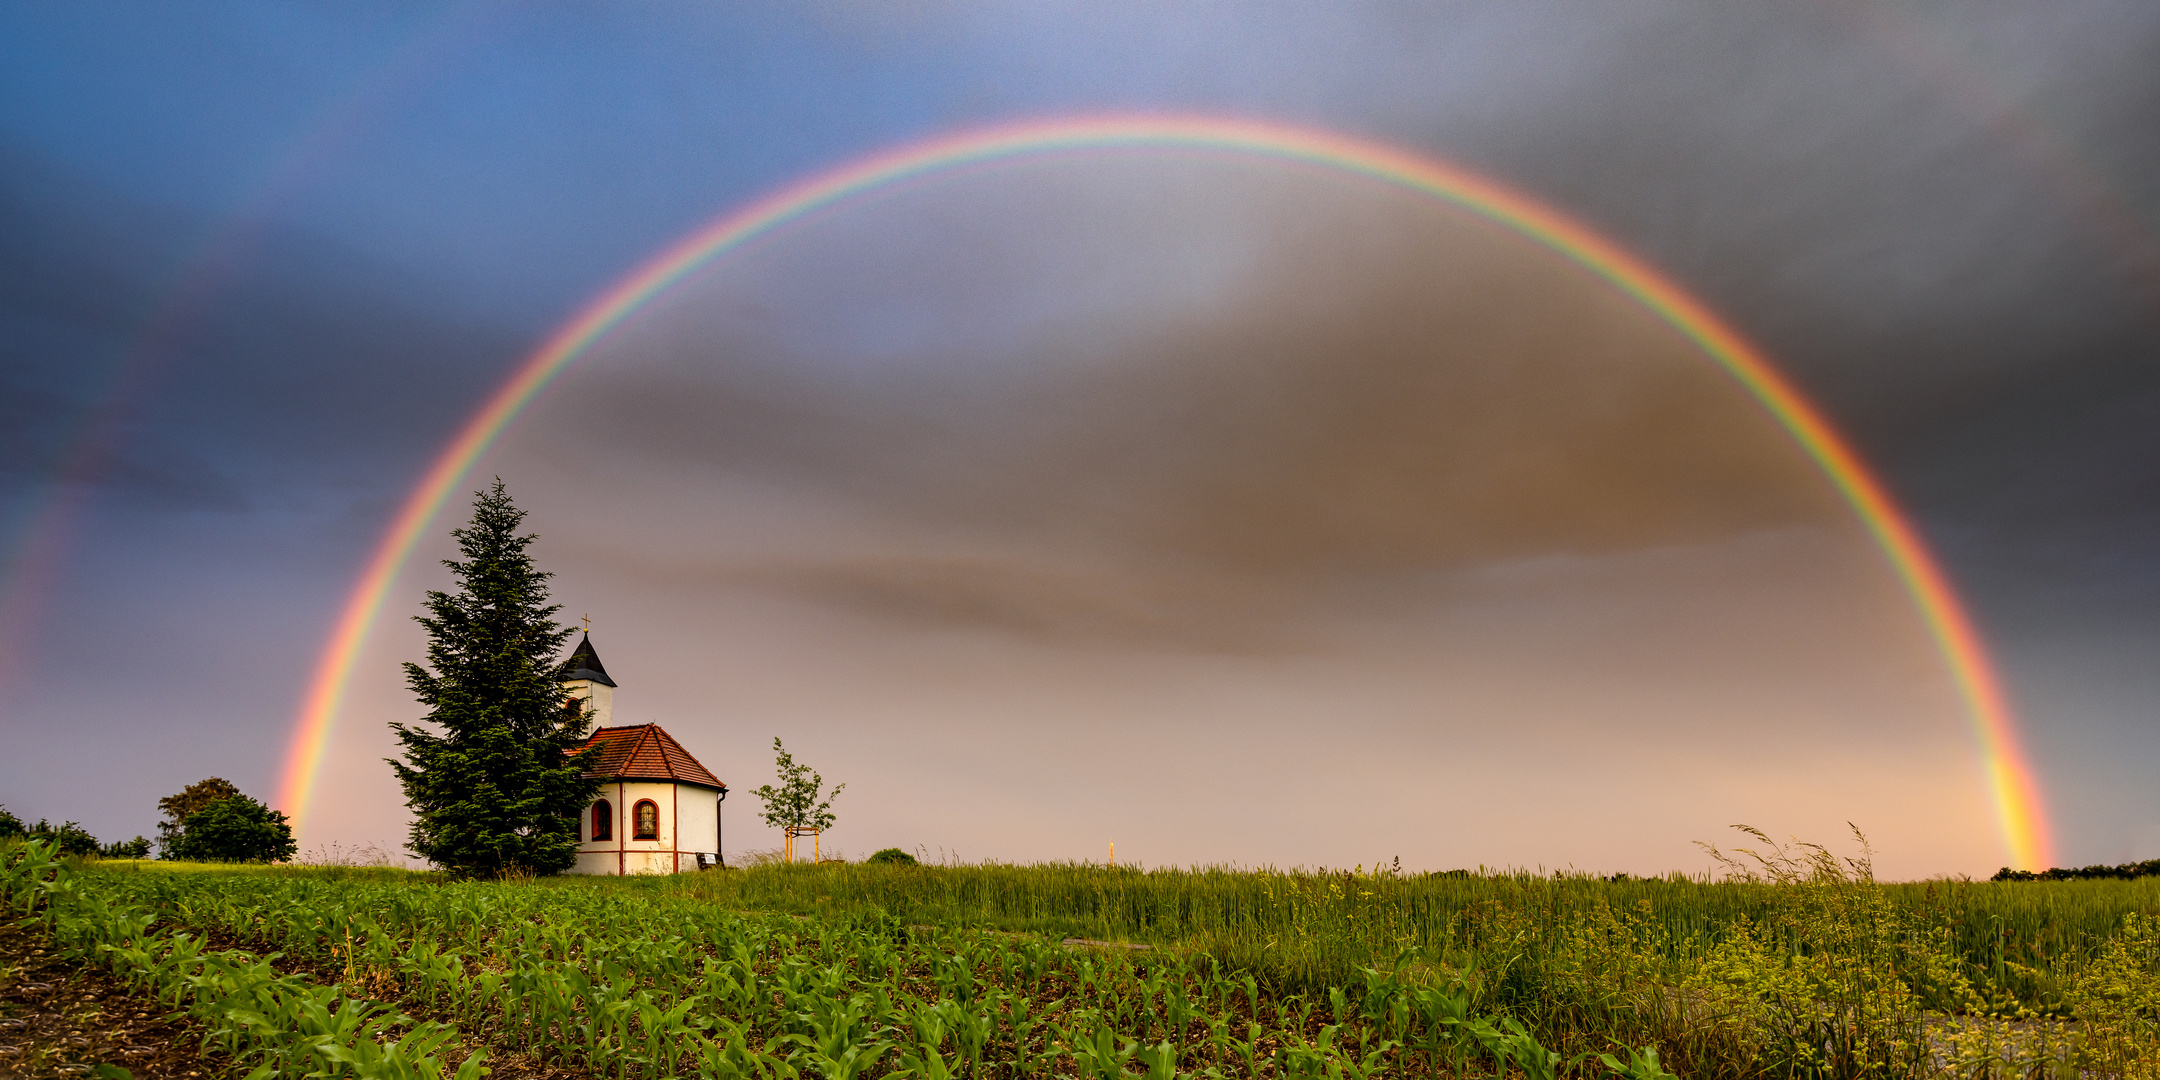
[[588, 623]]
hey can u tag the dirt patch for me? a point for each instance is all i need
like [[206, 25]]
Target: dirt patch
[[65, 1018], [61, 1018]]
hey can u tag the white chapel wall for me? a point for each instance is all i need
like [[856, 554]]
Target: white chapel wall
[[686, 811]]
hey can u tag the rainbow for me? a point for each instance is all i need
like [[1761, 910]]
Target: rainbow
[[2011, 782]]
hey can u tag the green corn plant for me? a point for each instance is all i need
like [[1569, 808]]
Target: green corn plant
[[835, 1061], [1020, 1021], [314, 1027], [1179, 1010], [1302, 1057], [731, 1056], [955, 976], [836, 1020], [924, 1063], [607, 1012], [1383, 1000], [1640, 1065], [667, 1030], [1445, 1013], [931, 1022], [1218, 1040], [1512, 1044], [1248, 1048], [413, 1057], [1146, 988], [1371, 1061], [841, 1045], [1160, 1060], [25, 870], [1095, 1051], [972, 1030], [1339, 1005]]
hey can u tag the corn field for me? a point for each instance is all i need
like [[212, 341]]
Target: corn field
[[946, 972]]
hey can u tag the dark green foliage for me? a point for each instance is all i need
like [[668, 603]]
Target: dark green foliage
[[794, 804], [138, 848], [498, 785], [179, 807], [68, 838], [2121, 872], [235, 829], [211, 821], [892, 855]]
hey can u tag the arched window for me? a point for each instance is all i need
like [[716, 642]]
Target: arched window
[[645, 820], [603, 820]]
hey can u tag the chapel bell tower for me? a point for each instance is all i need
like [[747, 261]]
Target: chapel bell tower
[[584, 677]]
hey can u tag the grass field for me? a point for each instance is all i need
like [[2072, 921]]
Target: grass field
[[842, 971], [1306, 931]]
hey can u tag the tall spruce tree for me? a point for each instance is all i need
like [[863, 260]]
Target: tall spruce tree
[[498, 787]]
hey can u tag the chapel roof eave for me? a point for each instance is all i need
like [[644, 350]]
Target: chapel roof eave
[[646, 752]]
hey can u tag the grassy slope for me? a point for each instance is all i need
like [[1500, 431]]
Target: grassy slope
[[1314, 929], [1688, 965]]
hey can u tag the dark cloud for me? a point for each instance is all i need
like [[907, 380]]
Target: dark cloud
[[1052, 603], [1382, 387], [157, 356]]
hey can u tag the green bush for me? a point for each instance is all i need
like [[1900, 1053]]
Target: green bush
[[180, 806], [68, 838], [235, 829], [892, 855]]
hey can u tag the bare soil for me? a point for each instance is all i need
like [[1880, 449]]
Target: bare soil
[[64, 1018]]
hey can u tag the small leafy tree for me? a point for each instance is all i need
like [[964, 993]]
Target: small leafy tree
[[11, 826], [235, 829], [183, 805], [497, 787], [794, 804]]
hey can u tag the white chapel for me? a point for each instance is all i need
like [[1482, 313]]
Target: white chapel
[[658, 811]]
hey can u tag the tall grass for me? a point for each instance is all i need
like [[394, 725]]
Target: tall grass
[[1806, 967], [1308, 930], [1812, 968]]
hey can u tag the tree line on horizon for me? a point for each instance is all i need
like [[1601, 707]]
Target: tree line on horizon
[[208, 821], [2120, 871]]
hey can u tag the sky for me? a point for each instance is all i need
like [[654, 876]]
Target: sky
[[1231, 510]]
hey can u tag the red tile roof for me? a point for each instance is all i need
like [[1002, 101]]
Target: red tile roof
[[644, 752]]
